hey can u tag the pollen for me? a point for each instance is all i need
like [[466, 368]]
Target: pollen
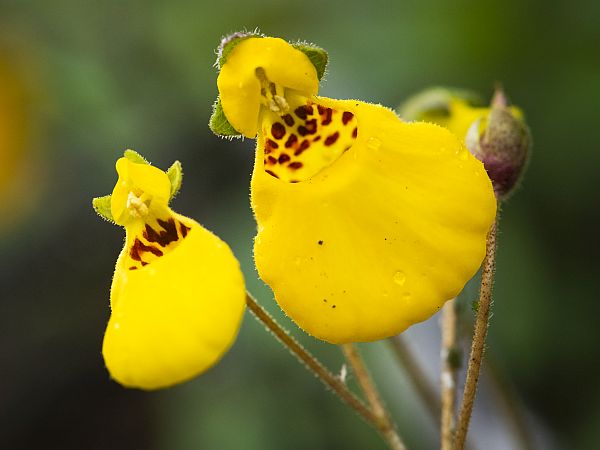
[[136, 207]]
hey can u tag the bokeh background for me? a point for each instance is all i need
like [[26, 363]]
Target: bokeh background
[[80, 81]]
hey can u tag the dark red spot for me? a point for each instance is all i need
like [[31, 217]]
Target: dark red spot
[[165, 237], [294, 181], [321, 109], [333, 306], [347, 117], [303, 146], [288, 119], [270, 144], [271, 160], [184, 230], [295, 165], [355, 132], [332, 138], [278, 130], [320, 242], [303, 111], [133, 268], [310, 127], [283, 158], [291, 141], [144, 263], [139, 247], [318, 138], [327, 119], [272, 173]]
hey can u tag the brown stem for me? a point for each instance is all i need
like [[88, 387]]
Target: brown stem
[[384, 423], [417, 376], [449, 365], [479, 335], [311, 363]]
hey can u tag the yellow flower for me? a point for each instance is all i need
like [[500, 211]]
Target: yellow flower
[[366, 224], [177, 296], [496, 135]]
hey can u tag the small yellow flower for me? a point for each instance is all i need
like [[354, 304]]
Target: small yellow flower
[[366, 224], [178, 294]]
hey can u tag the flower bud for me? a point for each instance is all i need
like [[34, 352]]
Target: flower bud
[[501, 140]]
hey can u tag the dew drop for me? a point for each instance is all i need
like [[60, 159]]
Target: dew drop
[[406, 296], [400, 278], [373, 143]]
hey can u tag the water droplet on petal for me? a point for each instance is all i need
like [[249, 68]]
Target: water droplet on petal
[[373, 143], [406, 296], [400, 278]]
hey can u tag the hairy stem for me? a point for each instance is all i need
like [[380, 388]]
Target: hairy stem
[[416, 375], [384, 423], [449, 365], [479, 335], [311, 363]]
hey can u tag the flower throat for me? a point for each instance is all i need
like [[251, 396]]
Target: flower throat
[[301, 136]]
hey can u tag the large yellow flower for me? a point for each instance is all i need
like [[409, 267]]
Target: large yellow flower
[[177, 296], [366, 224]]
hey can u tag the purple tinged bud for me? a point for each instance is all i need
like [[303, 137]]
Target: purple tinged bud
[[502, 142]]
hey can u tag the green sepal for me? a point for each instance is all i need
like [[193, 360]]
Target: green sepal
[[219, 124], [318, 56], [135, 157], [229, 42], [434, 102], [102, 207], [175, 174]]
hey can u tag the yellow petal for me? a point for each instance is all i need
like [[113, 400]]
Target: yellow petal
[[379, 239], [176, 316], [240, 88]]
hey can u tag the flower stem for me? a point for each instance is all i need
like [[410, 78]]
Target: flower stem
[[478, 345], [417, 376], [449, 374], [384, 423], [311, 363]]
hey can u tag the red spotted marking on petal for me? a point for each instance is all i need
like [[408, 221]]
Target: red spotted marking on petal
[[288, 119], [271, 145], [278, 130], [347, 117], [330, 140], [327, 132], [303, 146], [291, 141]]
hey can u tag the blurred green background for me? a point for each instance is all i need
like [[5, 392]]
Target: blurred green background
[[87, 80]]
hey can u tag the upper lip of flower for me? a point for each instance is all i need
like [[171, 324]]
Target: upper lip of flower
[[257, 65]]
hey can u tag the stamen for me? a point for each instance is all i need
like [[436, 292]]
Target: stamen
[[271, 93], [137, 208]]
